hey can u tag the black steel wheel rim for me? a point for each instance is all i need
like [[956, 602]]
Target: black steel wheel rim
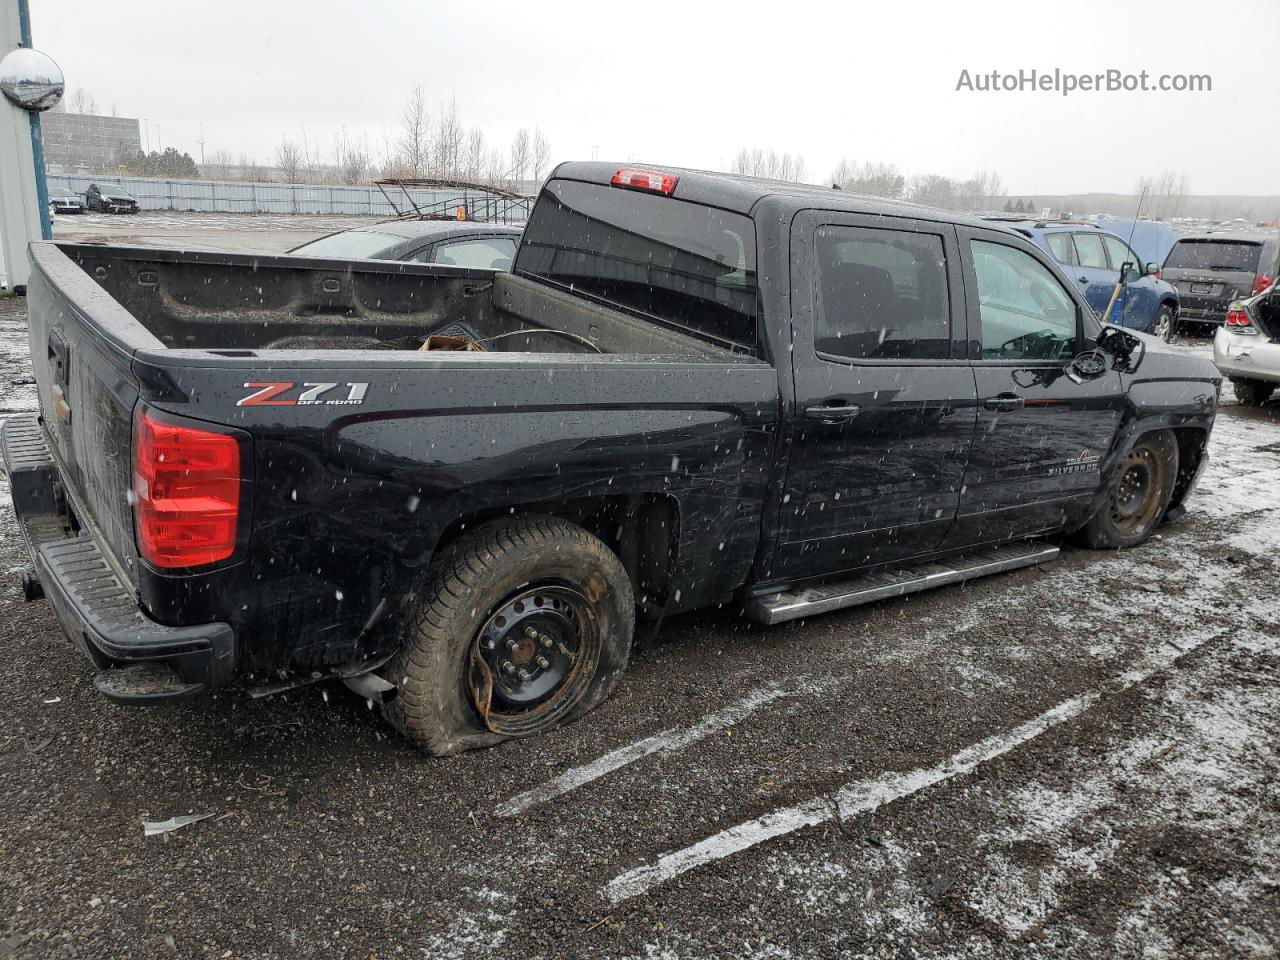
[[1136, 494], [540, 648]]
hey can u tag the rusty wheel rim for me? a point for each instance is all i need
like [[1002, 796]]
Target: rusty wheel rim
[[534, 659]]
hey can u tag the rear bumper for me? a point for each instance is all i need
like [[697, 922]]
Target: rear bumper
[[96, 607], [1254, 358]]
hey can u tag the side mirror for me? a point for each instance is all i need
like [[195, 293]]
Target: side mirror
[[1124, 348], [1151, 269], [1087, 366]]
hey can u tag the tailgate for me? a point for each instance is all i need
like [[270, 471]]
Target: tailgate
[[82, 346]]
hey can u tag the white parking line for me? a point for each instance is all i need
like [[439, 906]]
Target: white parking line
[[864, 796], [672, 739]]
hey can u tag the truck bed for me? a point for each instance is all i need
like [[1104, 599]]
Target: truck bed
[[227, 302]]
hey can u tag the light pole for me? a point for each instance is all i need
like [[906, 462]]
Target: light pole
[[31, 83]]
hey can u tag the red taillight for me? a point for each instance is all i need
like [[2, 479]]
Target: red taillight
[[1237, 318], [1261, 282], [654, 181], [186, 488]]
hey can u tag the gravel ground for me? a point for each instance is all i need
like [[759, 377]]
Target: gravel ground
[[1075, 761]]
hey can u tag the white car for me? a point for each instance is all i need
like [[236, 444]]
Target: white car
[[1246, 347]]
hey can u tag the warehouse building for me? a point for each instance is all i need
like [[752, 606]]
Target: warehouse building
[[82, 143]]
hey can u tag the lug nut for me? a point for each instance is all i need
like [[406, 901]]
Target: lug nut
[[531, 633], [512, 644], [543, 662], [545, 640], [524, 674], [508, 667]]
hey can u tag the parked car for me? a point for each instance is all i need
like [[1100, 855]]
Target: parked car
[[1213, 270], [110, 198], [1246, 348], [691, 389], [65, 205], [457, 242], [1092, 258]]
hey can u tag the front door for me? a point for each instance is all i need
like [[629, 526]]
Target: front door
[[1040, 436], [884, 408], [1094, 276]]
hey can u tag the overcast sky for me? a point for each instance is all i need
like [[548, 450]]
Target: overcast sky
[[690, 83]]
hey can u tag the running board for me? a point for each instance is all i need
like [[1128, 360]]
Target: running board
[[809, 601]]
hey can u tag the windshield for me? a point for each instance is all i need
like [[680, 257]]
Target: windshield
[[111, 190], [1215, 255], [361, 244], [684, 264]]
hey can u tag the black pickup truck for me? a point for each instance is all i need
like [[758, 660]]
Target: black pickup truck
[[690, 389]]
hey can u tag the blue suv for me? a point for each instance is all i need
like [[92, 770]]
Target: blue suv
[[1092, 258]]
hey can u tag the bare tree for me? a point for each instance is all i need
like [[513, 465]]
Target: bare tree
[[350, 158], [289, 159], [474, 155], [82, 102], [249, 169], [520, 154], [447, 142], [1166, 194], [772, 165], [541, 154], [415, 134], [218, 166], [982, 191], [934, 190], [873, 179]]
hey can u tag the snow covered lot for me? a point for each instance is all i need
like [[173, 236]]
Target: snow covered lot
[[1077, 761]]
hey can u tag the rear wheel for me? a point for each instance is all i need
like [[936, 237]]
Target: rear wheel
[[1253, 393], [1138, 492], [524, 625], [1165, 325]]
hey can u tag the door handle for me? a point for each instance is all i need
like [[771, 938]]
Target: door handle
[[1004, 402], [1083, 279], [832, 414]]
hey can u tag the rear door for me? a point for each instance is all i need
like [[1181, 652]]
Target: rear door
[[1040, 437], [1210, 272], [1094, 276], [1138, 298], [884, 402]]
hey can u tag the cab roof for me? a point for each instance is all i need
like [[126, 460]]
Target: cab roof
[[741, 194]]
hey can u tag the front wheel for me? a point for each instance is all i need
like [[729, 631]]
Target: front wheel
[[1138, 491], [524, 625], [1165, 325]]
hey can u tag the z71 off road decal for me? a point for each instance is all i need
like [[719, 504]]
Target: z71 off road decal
[[275, 394]]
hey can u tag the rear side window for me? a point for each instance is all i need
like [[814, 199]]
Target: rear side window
[[1089, 252], [882, 295], [1060, 247], [1215, 255], [686, 265], [488, 252]]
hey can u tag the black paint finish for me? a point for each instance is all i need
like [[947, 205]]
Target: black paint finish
[[714, 473]]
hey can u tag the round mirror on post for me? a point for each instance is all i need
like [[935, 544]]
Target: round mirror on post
[[30, 79]]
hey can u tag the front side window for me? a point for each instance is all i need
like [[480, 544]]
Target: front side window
[[1023, 311], [1089, 252], [1119, 253], [881, 295]]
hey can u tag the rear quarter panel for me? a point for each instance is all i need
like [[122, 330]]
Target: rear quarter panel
[[351, 500]]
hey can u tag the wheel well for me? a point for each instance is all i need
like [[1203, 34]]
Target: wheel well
[[642, 529], [1192, 444]]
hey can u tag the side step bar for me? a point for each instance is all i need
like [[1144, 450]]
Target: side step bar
[[810, 601]]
